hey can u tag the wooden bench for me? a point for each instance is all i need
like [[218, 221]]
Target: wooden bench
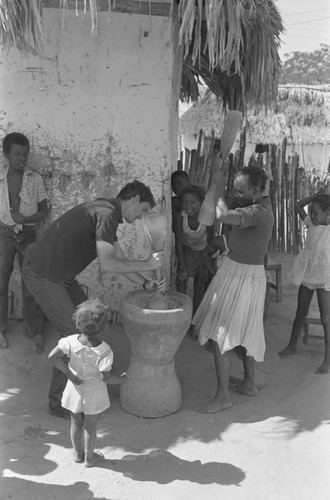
[[272, 265], [311, 321]]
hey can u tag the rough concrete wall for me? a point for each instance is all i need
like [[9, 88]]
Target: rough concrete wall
[[98, 114]]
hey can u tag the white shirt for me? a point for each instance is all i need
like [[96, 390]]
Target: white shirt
[[32, 192]]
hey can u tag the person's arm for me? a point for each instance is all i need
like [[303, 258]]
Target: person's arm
[[56, 357], [39, 216], [301, 204], [138, 278], [231, 217], [112, 260], [216, 244], [111, 378]]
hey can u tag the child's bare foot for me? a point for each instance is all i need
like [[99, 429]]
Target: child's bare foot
[[288, 351], [97, 457], [234, 382], [214, 405], [78, 457], [3, 340], [248, 390], [323, 369]]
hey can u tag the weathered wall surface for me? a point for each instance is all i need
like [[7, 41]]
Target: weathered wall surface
[[98, 114]]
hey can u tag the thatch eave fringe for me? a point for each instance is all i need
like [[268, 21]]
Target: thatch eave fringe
[[231, 44]]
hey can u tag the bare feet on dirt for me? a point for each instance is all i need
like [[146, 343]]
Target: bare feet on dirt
[[288, 351], [97, 457], [78, 457], [247, 390], [234, 382], [214, 405], [323, 369]]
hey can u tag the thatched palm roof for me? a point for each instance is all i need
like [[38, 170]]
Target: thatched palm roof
[[235, 51], [231, 44], [207, 114], [300, 113]]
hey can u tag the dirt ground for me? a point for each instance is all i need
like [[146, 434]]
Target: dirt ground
[[273, 446]]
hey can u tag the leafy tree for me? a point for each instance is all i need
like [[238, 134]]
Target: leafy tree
[[309, 68]]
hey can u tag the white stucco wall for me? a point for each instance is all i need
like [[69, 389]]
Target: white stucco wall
[[98, 113]]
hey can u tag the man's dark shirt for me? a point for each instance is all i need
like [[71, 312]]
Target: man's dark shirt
[[68, 245]]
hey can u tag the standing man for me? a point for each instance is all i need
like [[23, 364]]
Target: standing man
[[68, 246], [23, 203]]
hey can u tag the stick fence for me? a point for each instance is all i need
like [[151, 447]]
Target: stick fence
[[290, 183]]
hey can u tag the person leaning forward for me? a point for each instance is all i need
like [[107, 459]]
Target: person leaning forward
[[68, 246]]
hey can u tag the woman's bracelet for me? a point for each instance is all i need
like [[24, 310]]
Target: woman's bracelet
[[144, 285]]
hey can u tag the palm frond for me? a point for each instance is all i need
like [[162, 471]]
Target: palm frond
[[21, 24], [235, 38]]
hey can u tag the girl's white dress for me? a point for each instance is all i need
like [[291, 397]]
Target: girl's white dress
[[91, 396], [312, 265]]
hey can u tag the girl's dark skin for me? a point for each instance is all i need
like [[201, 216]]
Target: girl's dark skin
[[305, 295], [192, 205]]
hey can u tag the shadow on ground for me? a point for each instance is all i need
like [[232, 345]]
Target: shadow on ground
[[163, 467], [42, 491]]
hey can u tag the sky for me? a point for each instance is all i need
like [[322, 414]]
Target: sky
[[307, 24]]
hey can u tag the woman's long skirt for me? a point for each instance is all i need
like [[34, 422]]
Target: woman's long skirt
[[231, 312]]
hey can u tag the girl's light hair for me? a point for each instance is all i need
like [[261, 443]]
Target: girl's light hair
[[91, 315]]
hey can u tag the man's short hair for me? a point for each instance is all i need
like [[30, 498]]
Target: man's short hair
[[14, 138], [137, 188]]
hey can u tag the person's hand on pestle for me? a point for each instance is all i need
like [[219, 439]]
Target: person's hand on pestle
[[153, 283], [221, 208], [162, 285]]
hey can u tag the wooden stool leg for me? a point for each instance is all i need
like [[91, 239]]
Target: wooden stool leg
[[305, 337]]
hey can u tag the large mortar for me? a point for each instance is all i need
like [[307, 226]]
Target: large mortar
[[153, 389]]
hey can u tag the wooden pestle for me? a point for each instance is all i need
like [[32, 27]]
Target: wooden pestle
[[155, 232], [158, 301]]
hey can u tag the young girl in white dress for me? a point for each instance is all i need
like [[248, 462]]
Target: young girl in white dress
[[311, 271], [88, 372]]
